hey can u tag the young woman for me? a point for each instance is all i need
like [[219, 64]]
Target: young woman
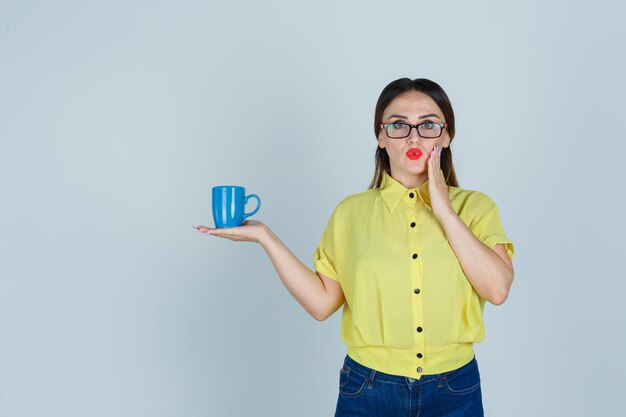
[[412, 260]]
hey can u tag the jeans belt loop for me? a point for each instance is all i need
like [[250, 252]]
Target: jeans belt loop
[[370, 381]]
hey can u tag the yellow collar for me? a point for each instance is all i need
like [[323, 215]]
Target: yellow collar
[[392, 192]]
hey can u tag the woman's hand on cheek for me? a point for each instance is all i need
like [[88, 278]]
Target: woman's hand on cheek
[[437, 187]]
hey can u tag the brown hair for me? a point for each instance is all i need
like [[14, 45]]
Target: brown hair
[[434, 91]]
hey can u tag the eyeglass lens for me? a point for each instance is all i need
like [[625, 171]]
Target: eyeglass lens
[[403, 130]]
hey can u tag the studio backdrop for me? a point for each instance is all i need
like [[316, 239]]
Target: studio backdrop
[[117, 118]]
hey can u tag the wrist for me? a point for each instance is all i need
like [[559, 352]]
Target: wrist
[[265, 236], [446, 216]]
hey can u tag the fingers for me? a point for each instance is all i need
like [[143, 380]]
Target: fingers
[[227, 236], [210, 231], [232, 233], [203, 229], [214, 231], [434, 164], [436, 154]]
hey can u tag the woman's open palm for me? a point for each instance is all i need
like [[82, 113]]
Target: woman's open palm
[[249, 231]]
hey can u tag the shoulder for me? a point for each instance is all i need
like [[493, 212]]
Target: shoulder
[[353, 205], [356, 201], [470, 202]]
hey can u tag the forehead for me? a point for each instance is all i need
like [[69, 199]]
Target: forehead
[[412, 104]]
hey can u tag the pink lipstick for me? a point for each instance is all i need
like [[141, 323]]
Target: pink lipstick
[[413, 154]]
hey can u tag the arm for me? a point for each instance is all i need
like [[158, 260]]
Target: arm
[[319, 295], [490, 271]]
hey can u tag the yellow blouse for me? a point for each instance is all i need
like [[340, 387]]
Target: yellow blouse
[[410, 310]]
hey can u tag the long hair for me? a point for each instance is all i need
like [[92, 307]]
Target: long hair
[[435, 92]]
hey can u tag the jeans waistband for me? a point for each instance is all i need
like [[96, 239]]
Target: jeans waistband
[[372, 374]]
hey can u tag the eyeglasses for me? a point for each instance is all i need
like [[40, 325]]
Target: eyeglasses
[[401, 130]]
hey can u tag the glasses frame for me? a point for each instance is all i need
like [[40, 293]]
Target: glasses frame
[[416, 126]]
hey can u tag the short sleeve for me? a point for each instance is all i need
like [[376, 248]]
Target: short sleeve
[[325, 258], [487, 227]]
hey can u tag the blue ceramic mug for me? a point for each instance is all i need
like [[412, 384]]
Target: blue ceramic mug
[[229, 202]]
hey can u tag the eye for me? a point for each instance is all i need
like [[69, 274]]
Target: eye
[[398, 125], [428, 125]]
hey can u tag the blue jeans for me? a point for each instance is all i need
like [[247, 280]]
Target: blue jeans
[[364, 392]]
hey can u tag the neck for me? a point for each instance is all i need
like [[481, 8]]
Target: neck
[[411, 181]]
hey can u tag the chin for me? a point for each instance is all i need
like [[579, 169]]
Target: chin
[[417, 169]]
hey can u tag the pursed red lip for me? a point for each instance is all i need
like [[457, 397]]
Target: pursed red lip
[[413, 154]]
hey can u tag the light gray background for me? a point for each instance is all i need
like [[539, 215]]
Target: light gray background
[[117, 117]]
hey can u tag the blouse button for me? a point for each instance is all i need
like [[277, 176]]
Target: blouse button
[[412, 224], [419, 329], [419, 370], [416, 291], [411, 195], [415, 256], [420, 356]]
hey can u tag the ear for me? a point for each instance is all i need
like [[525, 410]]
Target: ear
[[381, 142], [446, 140]]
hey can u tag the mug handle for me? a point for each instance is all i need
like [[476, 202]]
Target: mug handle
[[258, 206]]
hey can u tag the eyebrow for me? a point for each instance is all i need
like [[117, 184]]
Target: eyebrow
[[399, 116]]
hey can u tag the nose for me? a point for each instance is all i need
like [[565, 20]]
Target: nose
[[413, 136]]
